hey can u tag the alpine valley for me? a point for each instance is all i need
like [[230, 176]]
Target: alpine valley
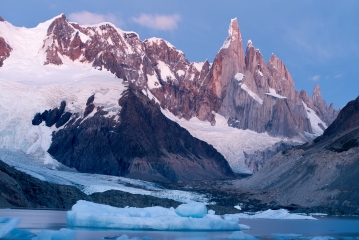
[[95, 113]]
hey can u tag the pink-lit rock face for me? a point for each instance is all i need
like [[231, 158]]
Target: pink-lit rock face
[[239, 84]]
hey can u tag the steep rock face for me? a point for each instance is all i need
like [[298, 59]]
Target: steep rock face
[[326, 114], [347, 121], [255, 93], [138, 142], [5, 50], [280, 80], [322, 173], [228, 62]]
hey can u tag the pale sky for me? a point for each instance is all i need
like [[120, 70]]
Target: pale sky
[[317, 40]]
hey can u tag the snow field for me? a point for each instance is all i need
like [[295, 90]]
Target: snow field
[[314, 121], [229, 141]]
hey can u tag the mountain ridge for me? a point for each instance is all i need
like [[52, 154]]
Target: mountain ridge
[[239, 85]]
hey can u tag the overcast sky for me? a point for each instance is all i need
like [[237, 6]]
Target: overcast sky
[[317, 40]]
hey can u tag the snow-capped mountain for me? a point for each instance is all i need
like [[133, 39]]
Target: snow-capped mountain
[[61, 80]]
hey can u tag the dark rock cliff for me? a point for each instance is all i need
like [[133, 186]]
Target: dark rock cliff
[[139, 142], [321, 173]]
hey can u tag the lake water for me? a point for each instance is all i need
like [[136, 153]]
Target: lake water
[[339, 227]]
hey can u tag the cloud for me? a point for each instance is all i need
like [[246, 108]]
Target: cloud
[[338, 76], [315, 78], [88, 18], [159, 22]]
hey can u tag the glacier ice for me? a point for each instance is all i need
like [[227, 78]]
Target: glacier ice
[[241, 235], [287, 236], [8, 230], [92, 215], [62, 234], [126, 237], [7, 225], [268, 214], [193, 209]]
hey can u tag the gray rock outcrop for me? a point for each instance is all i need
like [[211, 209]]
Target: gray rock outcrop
[[323, 173]]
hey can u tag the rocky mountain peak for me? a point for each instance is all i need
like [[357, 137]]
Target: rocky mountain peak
[[321, 108], [281, 79], [275, 64], [317, 94], [1, 19], [234, 44], [254, 59], [233, 30]]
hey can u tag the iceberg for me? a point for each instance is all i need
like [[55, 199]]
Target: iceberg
[[8, 230], [93, 215], [125, 237], [193, 209], [62, 234], [241, 235], [7, 225], [268, 214]]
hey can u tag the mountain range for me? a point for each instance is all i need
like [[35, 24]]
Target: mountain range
[[100, 100]]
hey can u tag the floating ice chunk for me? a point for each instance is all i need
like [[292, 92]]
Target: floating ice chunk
[[8, 230], [240, 235], [7, 225], [269, 214], [88, 214], [244, 227], [286, 236], [193, 209], [62, 234], [126, 237]]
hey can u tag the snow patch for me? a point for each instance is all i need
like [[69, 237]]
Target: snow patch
[[239, 76], [252, 94], [259, 72], [273, 93], [165, 71], [198, 66], [152, 82], [315, 121], [226, 43], [180, 73]]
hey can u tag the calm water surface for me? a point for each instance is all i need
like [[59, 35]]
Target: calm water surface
[[340, 227]]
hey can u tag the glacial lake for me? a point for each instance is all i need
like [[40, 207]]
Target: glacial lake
[[337, 227]]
